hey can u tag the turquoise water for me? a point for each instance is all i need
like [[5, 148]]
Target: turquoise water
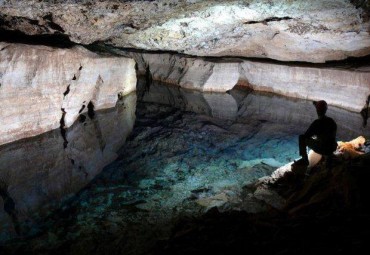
[[175, 164]]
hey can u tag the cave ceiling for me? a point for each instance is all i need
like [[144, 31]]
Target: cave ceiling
[[286, 30]]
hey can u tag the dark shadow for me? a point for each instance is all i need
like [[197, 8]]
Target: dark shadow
[[53, 40], [365, 112]]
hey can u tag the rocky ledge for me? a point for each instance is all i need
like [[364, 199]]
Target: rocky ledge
[[44, 88], [309, 31], [326, 212]]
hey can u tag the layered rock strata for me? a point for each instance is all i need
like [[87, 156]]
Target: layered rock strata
[[345, 87], [37, 173], [310, 31], [44, 88], [242, 105]]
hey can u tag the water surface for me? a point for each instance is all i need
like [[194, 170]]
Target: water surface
[[188, 152]]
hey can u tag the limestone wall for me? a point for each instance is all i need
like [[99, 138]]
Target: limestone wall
[[37, 173], [43, 88], [345, 87]]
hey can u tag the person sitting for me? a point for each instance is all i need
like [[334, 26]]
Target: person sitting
[[320, 136]]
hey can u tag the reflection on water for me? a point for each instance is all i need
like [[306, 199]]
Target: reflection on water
[[175, 164], [243, 105], [37, 173]]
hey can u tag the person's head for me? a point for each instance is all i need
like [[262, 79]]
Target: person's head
[[321, 107]]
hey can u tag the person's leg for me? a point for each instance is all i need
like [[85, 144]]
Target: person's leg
[[303, 144]]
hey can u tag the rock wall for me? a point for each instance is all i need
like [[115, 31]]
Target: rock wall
[[44, 88], [244, 106], [310, 31], [37, 173], [346, 87]]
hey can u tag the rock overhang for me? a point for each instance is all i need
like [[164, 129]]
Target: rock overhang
[[309, 31]]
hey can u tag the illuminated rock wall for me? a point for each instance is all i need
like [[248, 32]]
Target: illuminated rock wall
[[345, 87], [247, 105], [44, 88]]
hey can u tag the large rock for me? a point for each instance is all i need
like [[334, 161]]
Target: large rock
[[43, 88], [345, 87], [311, 31]]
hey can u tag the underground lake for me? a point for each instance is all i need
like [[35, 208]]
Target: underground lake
[[188, 152], [184, 127]]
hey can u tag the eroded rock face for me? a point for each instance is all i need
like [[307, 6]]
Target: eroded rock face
[[37, 173], [43, 88], [345, 87], [311, 31]]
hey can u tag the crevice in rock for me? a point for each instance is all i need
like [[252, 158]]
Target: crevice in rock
[[265, 21], [9, 206], [63, 128], [67, 91], [3, 48], [82, 108], [53, 40], [365, 111], [121, 96], [82, 118], [90, 110], [104, 48], [148, 79], [275, 34], [74, 78]]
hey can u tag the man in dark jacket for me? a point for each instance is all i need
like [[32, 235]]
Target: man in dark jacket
[[320, 136]]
